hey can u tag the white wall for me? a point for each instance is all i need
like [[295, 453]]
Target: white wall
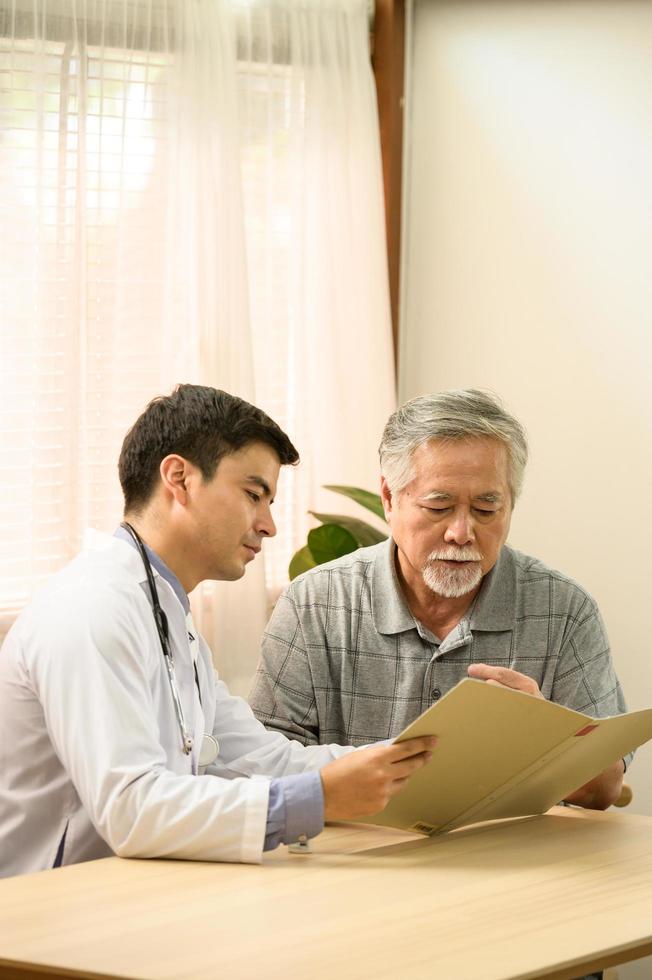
[[528, 246]]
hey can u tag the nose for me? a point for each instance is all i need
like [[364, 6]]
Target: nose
[[460, 529], [265, 526]]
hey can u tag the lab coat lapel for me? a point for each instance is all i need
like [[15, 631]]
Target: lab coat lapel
[[197, 716]]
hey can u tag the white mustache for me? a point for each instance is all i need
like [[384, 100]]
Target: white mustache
[[455, 554]]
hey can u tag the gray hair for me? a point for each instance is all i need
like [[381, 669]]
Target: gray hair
[[465, 414]]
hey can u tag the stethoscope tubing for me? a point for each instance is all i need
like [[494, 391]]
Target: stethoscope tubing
[[163, 634]]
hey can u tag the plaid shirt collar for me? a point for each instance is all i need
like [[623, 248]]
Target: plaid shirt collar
[[493, 610]]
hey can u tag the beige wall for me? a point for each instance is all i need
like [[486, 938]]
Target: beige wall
[[527, 269]]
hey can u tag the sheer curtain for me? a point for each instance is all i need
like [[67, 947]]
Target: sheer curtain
[[190, 190]]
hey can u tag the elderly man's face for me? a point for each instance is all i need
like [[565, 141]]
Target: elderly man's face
[[450, 522]]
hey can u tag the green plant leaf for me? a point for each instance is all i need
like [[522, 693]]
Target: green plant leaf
[[330, 541], [301, 562], [365, 498], [363, 533]]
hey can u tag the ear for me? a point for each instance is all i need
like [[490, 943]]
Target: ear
[[386, 497], [175, 473]]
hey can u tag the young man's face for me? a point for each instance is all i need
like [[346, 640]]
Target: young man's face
[[230, 513], [450, 522]]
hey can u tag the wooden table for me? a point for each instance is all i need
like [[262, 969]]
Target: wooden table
[[551, 896]]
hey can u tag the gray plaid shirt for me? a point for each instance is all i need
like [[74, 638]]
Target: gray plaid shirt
[[344, 660]]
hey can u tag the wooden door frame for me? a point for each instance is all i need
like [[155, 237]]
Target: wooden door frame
[[388, 61]]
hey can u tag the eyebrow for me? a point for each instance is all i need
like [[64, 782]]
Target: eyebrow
[[263, 484], [491, 497]]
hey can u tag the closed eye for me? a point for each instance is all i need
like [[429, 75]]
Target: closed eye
[[254, 496], [477, 510]]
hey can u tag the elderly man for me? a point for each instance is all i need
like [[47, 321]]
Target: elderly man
[[358, 648]]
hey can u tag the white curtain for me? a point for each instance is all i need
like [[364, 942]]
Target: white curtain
[[190, 190]]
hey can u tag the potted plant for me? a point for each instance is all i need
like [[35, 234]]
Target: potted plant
[[338, 534]]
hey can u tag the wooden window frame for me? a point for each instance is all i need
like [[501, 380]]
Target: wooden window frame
[[388, 62]]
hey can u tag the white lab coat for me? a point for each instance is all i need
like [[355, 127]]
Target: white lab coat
[[89, 741]]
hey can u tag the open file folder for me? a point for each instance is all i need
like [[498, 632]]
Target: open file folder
[[502, 753]]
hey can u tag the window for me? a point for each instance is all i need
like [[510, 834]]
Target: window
[[80, 292]]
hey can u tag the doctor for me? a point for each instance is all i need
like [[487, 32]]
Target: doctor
[[115, 734]]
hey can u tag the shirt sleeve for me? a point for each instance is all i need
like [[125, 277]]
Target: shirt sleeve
[[282, 694], [586, 679], [296, 809]]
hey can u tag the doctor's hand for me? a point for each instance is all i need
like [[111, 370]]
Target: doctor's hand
[[363, 782], [504, 677]]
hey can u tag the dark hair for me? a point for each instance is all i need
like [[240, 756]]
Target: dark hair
[[202, 425]]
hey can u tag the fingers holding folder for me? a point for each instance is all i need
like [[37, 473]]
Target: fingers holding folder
[[363, 783]]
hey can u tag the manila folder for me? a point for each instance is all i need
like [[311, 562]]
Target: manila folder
[[503, 753]]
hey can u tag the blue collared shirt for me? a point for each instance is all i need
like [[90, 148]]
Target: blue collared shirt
[[296, 803]]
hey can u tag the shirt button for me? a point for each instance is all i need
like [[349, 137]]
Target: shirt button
[[436, 694]]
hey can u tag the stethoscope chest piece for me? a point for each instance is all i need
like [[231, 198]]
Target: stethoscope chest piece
[[210, 749]]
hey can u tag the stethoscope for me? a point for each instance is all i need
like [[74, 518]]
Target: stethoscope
[[210, 746]]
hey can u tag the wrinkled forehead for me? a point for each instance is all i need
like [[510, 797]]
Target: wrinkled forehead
[[443, 463]]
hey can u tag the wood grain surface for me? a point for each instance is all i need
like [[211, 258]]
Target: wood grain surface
[[550, 896]]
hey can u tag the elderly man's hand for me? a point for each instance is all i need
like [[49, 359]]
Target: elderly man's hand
[[504, 677], [600, 792]]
